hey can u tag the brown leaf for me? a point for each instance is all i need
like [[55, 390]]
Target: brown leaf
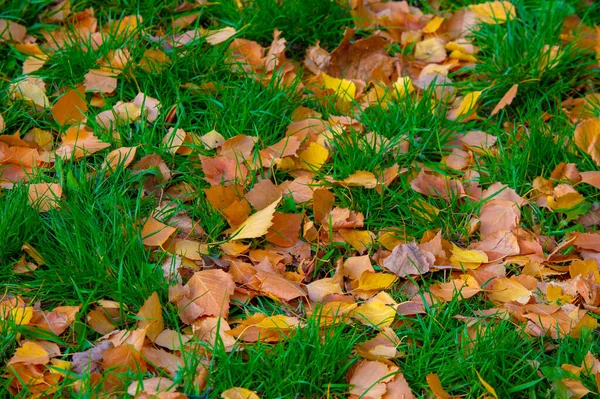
[[263, 194], [498, 215], [408, 259], [285, 229], [223, 170]]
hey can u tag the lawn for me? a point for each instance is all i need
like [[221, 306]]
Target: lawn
[[300, 199]]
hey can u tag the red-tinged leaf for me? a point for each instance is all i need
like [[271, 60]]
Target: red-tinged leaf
[[58, 320], [507, 99], [70, 107], [355, 266], [215, 330], [408, 259], [150, 317], [437, 186], [285, 229], [370, 377], [150, 107], [478, 141], [276, 286], [211, 290], [238, 148], [223, 170], [466, 286], [151, 386], [263, 194], [155, 233]]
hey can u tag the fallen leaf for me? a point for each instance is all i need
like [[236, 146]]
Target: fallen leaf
[[150, 317], [285, 229], [487, 386], [44, 196], [369, 379], [239, 393], [257, 225], [507, 99], [494, 12], [155, 233], [509, 290], [408, 259]]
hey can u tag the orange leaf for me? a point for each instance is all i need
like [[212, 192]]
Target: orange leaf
[[155, 233], [509, 290], [211, 290], [121, 156], [436, 386], [150, 317], [44, 196], [507, 99], [285, 229], [70, 107]]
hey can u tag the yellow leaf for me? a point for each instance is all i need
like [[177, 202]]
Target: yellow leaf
[[256, 225], [359, 239], [29, 92], [344, 89], [314, 157], [554, 294], [468, 103], [468, 258], [21, 316], [215, 37], [30, 352], [430, 50], [375, 281], [433, 25], [278, 322], [378, 311], [567, 201], [494, 12], [361, 178], [487, 386], [402, 87], [583, 268], [509, 290], [239, 393]]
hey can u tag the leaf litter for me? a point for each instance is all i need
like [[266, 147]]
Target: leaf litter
[[277, 227]]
